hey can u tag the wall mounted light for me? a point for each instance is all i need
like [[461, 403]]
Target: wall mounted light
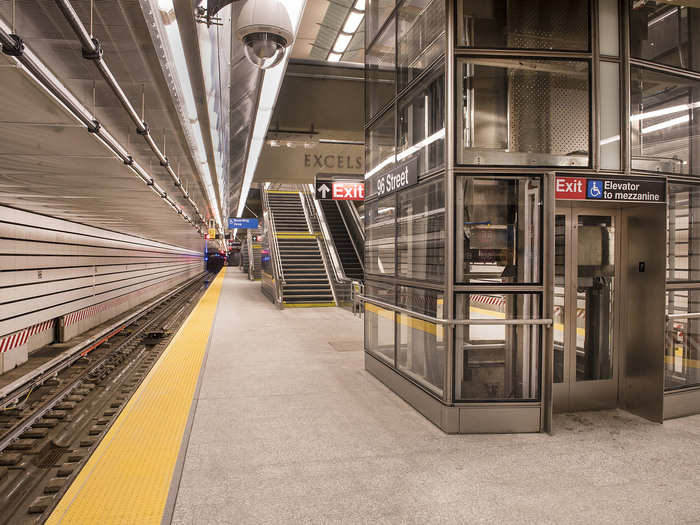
[[347, 32]]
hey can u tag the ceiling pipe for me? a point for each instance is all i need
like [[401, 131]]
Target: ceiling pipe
[[13, 45], [92, 50]]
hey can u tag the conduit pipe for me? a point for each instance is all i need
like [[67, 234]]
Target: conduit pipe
[[13, 46], [92, 50]]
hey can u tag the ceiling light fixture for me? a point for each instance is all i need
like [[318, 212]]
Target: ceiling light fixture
[[169, 34], [351, 24]]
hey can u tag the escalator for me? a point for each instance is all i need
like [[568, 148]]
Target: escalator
[[344, 244]]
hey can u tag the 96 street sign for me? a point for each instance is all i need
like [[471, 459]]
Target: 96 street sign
[[398, 178]]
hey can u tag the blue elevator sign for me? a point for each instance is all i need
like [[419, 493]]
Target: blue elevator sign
[[242, 224], [595, 189]]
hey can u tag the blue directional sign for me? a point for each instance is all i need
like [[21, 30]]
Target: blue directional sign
[[595, 189], [242, 224]]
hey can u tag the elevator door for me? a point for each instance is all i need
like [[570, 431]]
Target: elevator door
[[586, 309]]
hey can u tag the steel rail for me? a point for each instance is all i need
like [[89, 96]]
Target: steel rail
[[92, 50], [454, 322], [16, 432], [17, 389], [692, 315]]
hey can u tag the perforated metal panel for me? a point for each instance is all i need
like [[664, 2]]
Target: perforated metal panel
[[535, 26], [549, 111]]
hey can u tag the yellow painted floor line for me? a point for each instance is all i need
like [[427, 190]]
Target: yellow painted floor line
[[128, 477]]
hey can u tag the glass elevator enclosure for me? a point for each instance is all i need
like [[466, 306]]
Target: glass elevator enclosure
[[492, 299]]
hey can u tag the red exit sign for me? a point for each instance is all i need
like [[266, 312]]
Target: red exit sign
[[348, 191], [570, 188]]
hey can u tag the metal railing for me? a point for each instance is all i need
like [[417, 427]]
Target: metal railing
[[453, 322], [271, 235], [692, 315]]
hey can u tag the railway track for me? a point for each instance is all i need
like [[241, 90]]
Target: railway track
[[59, 416]]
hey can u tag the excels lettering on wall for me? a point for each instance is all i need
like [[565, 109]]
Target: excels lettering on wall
[[350, 162]]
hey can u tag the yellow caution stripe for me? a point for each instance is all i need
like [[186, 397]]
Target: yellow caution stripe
[[128, 477], [306, 305], [296, 235]]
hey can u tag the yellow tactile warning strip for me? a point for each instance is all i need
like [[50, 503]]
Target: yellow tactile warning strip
[[128, 477]]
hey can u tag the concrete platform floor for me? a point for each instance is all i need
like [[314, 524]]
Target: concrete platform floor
[[290, 430]]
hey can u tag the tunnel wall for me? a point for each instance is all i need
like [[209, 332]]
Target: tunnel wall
[[77, 275]]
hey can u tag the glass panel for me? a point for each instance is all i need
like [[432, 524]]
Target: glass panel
[[380, 148], [421, 37], [380, 230], [376, 12], [380, 72], [609, 27], [379, 322], [665, 32], [683, 233], [422, 123], [559, 297], [610, 116], [665, 122], [421, 232], [682, 360], [524, 112], [501, 224], [514, 24], [421, 348], [497, 361], [594, 297]]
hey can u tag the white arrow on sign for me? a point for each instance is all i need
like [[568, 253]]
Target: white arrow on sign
[[324, 191]]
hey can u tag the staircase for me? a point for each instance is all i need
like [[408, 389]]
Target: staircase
[[306, 281], [341, 239]]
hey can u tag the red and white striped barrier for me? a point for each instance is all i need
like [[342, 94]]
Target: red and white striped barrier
[[488, 299], [580, 312], [84, 313], [16, 339]]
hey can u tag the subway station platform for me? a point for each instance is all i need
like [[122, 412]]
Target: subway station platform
[[260, 415]]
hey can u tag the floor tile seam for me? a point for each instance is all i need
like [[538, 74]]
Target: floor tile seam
[[118, 426]]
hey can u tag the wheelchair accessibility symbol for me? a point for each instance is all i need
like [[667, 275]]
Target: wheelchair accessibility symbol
[[595, 189]]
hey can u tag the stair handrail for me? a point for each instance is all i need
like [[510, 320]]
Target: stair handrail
[[274, 249]]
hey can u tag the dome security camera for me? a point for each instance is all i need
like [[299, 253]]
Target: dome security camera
[[265, 29]]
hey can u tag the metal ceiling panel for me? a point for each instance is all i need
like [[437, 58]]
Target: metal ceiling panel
[[129, 52], [50, 165]]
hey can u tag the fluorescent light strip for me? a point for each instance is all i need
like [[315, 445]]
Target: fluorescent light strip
[[421, 144], [666, 124], [350, 26], [664, 111], [353, 22], [610, 140], [272, 80], [341, 43], [171, 31], [407, 152], [389, 160]]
